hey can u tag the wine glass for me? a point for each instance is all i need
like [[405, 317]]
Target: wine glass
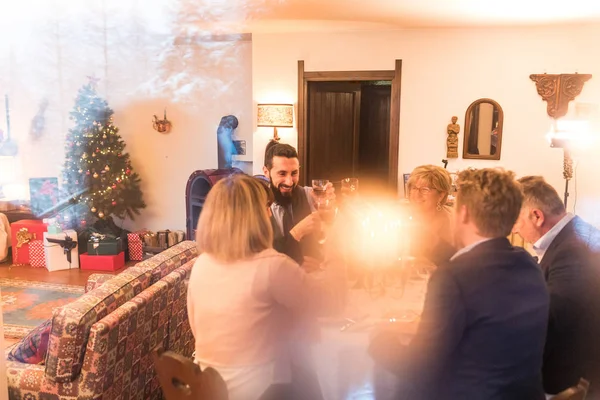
[[320, 187], [324, 205], [349, 186]]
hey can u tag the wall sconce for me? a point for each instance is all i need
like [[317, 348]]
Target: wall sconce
[[562, 135], [162, 125], [276, 116]]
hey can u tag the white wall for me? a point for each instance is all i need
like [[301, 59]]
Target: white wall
[[443, 71], [139, 52]]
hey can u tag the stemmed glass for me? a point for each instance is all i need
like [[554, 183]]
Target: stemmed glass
[[324, 205], [349, 187]]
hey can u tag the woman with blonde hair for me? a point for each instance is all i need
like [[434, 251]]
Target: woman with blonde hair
[[243, 295], [428, 189]]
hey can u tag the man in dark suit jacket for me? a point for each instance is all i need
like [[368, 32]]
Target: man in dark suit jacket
[[569, 253], [482, 331]]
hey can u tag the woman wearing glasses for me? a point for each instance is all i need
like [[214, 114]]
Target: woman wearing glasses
[[429, 187]]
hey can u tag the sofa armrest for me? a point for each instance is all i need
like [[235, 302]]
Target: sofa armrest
[[25, 379], [96, 280]]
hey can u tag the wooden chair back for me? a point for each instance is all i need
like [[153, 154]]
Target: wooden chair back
[[578, 392], [181, 379]]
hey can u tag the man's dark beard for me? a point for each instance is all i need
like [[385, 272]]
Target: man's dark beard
[[280, 198]]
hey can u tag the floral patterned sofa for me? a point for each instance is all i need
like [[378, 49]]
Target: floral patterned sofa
[[100, 345]]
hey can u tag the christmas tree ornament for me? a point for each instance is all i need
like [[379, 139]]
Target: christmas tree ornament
[[80, 171], [101, 214], [93, 209], [107, 168], [84, 156], [114, 203], [95, 175]]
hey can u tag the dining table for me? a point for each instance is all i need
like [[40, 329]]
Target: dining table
[[343, 366]]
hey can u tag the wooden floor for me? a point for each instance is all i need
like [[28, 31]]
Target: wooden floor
[[74, 276]]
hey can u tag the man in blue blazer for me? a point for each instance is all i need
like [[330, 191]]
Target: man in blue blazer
[[568, 249], [483, 327]]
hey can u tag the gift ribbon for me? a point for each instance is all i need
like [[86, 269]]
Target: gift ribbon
[[67, 244], [24, 236]]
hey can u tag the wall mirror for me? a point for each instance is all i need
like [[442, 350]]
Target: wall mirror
[[483, 130]]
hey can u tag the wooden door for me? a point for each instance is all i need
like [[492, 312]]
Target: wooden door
[[374, 142], [333, 130]]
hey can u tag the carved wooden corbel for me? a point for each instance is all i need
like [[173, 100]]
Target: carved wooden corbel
[[558, 90]]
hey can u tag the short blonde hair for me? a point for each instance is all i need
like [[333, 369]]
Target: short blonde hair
[[541, 195], [234, 223], [436, 178], [493, 198]]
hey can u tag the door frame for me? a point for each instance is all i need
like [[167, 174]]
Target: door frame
[[331, 76]]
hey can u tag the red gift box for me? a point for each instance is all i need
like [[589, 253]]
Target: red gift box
[[134, 244], [22, 233], [37, 258], [102, 263]]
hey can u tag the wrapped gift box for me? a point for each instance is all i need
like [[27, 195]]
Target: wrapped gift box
[[102, 245], [135, 244], [37, 258], [103, 263], [175, 237], [56, 256], [22, 233]]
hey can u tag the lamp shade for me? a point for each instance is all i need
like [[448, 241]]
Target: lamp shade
[[276, 115]]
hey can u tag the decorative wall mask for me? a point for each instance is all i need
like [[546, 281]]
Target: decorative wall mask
[[162, 125]]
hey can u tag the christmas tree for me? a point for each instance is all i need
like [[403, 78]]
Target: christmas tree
[[98, 179]]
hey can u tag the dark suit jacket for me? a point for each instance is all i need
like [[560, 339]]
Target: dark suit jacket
[[482, 331], [572, 271]]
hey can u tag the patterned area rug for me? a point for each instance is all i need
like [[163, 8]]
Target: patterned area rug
[[26, 304]]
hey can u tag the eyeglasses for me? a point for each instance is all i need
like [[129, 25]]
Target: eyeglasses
[[422, 190]]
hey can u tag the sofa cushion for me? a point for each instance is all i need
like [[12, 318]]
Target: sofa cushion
[[164, 263], [71, 323], [181, 339], [120, 345], [32, 348], [160, 265]]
